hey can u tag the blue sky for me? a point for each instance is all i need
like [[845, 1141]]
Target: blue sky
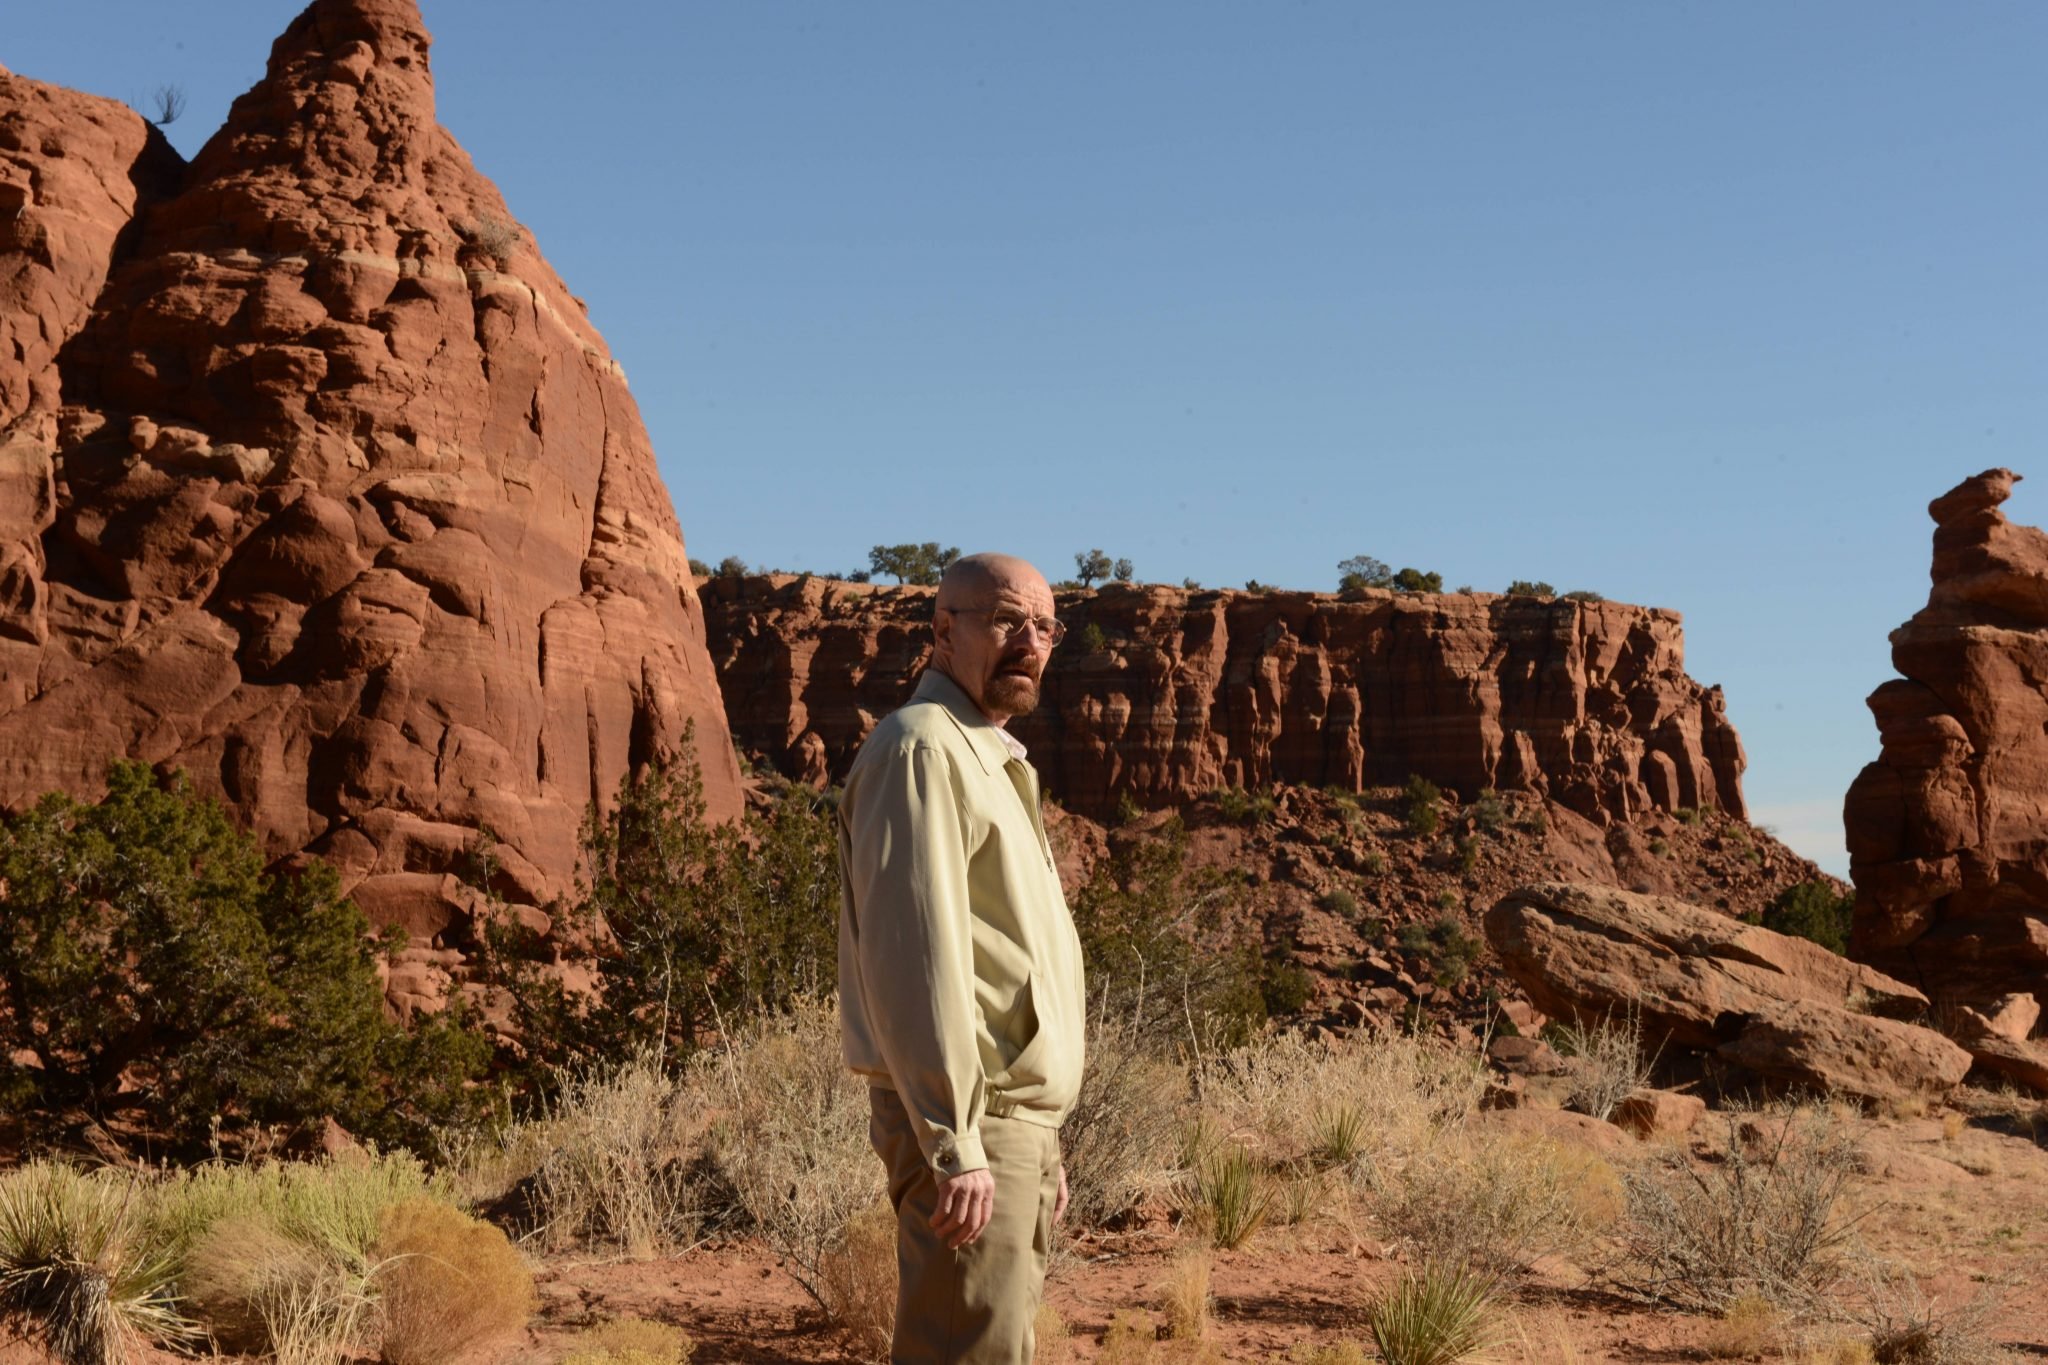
[[1696, 305]]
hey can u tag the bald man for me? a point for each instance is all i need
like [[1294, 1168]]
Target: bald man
[[960, 996]]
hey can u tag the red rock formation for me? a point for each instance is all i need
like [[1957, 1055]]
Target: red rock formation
[[329, 493], [1948, 829], [1173, 693]]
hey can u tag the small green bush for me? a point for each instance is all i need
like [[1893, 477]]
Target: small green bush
[[1090, 639], [1530, 587], [1128, 810], [1424, 810], [1232, 1195], [1660, 848], [1812, 910], [1246, 808], [1468, 853], [1489, 812], [1444, 945], [1584, 595], [1416, 580], [1338, 901], [1434, 1315], [1690, 815], [1374, 862]]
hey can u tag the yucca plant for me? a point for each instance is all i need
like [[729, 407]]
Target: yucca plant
[[1434, 1315], [1340, 1133], [77, 1268], [1233, 1195]]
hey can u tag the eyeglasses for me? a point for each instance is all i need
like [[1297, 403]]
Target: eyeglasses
[[1007, 621]]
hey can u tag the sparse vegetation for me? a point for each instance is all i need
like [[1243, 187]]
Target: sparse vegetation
[[1608, 1061], [1529, 587], [1489, 812], [1424, 809], [1231, 1195], [1765, 1218], [632, 1341], [1245, 807], [1090, 638], [78, 1270], [1813, 911], [1091, 565]]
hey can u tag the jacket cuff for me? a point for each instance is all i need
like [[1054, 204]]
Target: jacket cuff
[[956, 1155]]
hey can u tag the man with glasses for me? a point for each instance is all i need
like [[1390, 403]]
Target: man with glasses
[[960, 995]]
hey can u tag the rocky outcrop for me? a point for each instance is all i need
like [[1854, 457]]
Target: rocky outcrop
[[316, 482], [1948, 828], [1781, 1007], [1160, 694]]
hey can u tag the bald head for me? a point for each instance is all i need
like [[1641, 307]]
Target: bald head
[[999, 675]]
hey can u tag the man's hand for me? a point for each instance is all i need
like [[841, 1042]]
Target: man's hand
[[1059, 1203], [966, 1202]]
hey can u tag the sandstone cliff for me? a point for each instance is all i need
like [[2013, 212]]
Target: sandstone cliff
[[1162, 694], [1948, 828], [316, 481]]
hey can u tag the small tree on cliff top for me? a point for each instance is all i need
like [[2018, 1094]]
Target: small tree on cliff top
[[151, 968], [920, 564]]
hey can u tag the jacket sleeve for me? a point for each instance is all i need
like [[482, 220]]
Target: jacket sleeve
[[908, 868]]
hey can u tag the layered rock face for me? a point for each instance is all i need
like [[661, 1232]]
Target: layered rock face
[[316, 481], [1948, 829], [1163, 694]]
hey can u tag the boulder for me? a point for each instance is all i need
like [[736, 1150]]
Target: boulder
[[1659, 1113], [1785, 1008], [1998, 1041]]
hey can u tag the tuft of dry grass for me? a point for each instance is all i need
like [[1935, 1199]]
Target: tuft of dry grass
[[1346, 1352], [857, 1282], [1767, 1217], [1184, 1296], [447, 1285], [261, 1291], [632, 1341], [1052, 1342], [1745, 1329]]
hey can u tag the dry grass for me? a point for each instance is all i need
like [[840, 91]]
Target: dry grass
[[857, 1282], [1746, 1328], [1766, 1217], [1907, 1326], [1496, 1200], [632, 1341], [1184, 1296], [1543, 1339], [1120, 1139], [259, 1290], [1052, 1343], [1345, 1352], [607, 1166], [447, 1285], [793, 1138], [78, 1268], [1607, 1061]]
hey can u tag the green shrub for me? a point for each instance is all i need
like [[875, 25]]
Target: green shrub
[[1424, 812], [1489, 812], [1584, 595], [1363, 571], [1127, 808], [1338, 901], [152, 968], [1468, 853], [1162, 939], [1444, 944], [1245, 808], [1660, 848], [1690, 815], [1812, 910], [685, 923], [1415, 580], [1434, 1315], [1530, 587], [1090, 639], [1374, 862], [1285, 986]]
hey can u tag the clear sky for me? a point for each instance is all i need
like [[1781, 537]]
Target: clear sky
[[1694, 304]]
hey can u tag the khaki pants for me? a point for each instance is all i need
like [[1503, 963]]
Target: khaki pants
[[977, 1305]]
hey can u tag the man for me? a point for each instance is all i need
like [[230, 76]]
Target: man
[[960, 992]]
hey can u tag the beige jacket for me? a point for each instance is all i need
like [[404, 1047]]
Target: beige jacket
[[959, 969]]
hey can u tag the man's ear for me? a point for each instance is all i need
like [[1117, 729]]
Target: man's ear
[[942, 629]]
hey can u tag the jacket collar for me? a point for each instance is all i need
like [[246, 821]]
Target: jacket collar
[[981, 736]]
